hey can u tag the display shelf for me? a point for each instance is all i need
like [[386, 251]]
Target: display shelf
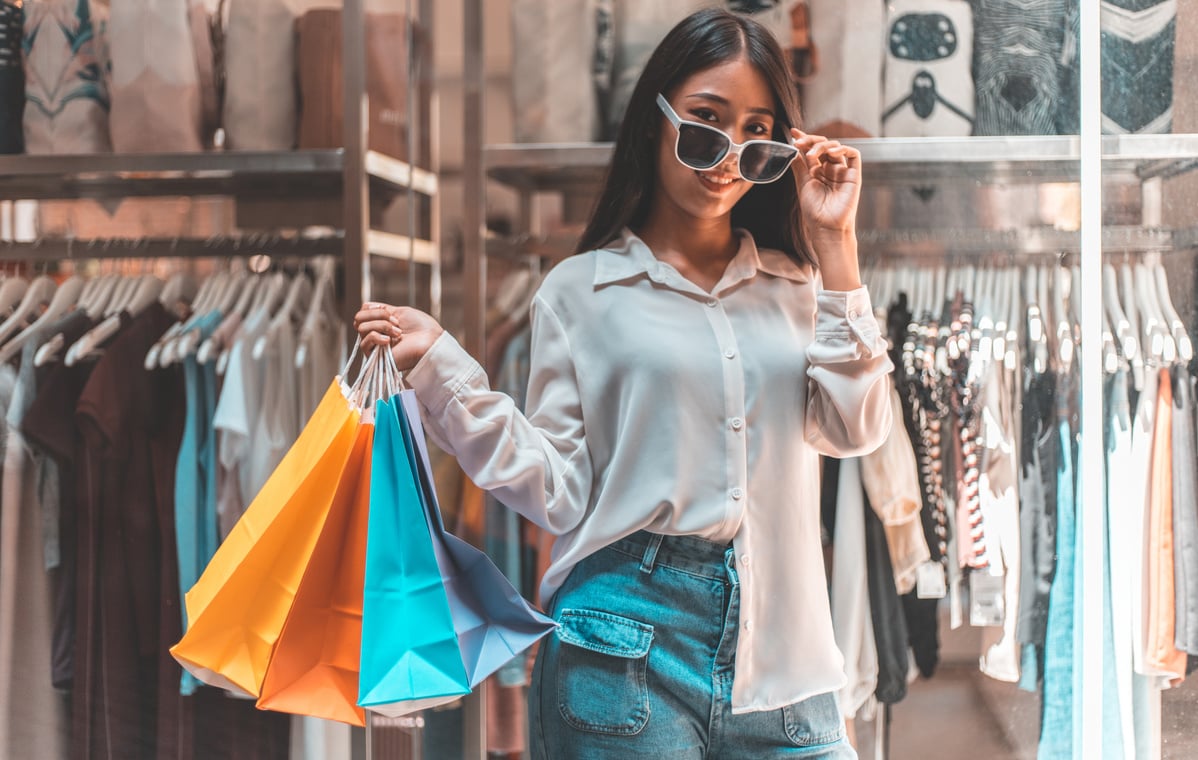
[[1023, 240], [270, 175], [384, 244], [546, 167]]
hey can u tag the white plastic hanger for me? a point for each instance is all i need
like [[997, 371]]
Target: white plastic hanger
[[321, 308], [1112, 309], [65, 297], [36, 296], [1161, 347], [298, 295], [1177, 328], [135, 296], [12, 290], [1127, 293], [211, 347]]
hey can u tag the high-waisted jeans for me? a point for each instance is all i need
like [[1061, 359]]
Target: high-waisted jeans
[[642, 664]]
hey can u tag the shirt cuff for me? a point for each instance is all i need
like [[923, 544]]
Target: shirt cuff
[[842, 314], [443, 370]]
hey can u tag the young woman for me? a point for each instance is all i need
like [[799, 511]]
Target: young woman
[[710, 340]]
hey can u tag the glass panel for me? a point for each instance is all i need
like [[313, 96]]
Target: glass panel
[[1150, 114]]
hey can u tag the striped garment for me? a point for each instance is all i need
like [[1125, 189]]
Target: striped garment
[[1137, 66]]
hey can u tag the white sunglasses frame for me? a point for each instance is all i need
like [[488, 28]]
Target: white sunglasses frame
[[734, 149]]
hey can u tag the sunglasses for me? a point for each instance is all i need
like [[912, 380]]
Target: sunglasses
[[702, 147]]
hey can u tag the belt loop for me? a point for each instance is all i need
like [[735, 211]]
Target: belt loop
[[650, 557]]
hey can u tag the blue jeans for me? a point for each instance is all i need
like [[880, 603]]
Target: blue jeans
[[642, 664]]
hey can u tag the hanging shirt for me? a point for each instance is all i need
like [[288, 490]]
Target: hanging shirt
[[656, 405]]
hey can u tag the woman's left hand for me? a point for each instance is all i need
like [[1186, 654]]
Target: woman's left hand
[[829, 181]]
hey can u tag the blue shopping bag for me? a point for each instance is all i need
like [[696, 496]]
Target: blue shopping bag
[[493, 622], [410, 654]]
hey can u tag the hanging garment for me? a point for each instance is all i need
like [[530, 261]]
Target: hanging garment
[[156, 97], [1185, 513], [319, 67], [235, 418], [1056, 728], [891, 479], [49, 426], [1138, 38], [1162, 655], [66, 77], [639, 26], [279, 422], [33, 715], [118, 644], [195, 476], [12, 79], [851, 619], [843, 96], [928, 88], [261, 108], [889, 614], [561, 55], [1017, 53], [1039, 454], [1000, 508], [206, 31], [1124, 532]]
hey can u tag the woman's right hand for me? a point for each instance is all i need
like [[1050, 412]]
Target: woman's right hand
[[408, 332]]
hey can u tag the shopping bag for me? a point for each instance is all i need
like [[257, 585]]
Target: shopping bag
[[314, 669], [237, 608], [493, 622], [410, 651]]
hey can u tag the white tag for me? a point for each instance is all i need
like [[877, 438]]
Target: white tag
[[986, 601], [930, 582]]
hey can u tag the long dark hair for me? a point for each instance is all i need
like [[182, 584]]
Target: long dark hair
[[702, 40]]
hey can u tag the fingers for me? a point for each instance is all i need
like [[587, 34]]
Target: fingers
[[822, 157]]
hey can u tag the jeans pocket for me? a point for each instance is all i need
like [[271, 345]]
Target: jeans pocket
[[814, 721], [601, 672]]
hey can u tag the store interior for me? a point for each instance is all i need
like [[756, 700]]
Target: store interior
[[195, 200]]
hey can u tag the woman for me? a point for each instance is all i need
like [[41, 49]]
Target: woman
[[687, 370]]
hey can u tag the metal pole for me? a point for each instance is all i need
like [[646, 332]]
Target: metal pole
[[474, 744], [355, 202], [1091, 487]]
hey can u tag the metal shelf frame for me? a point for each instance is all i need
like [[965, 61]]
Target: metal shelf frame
[[566, 167]]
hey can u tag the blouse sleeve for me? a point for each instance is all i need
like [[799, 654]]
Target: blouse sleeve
[[537, 464], [848, 402]]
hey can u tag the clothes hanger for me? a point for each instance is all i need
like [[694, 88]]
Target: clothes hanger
[[172, 348], [137, 294], [1037, 332], [12, 290], [1127, 292], [210, 348], [299, 293], [1120, 326], [36, 296], [1177, 329], [65, 297], [321, 308], [1160, 344], [1064, 326]]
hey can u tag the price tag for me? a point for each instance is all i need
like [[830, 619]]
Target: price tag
[[930, 582], [986, 602]]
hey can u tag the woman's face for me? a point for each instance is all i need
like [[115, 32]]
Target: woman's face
[[733, 97]]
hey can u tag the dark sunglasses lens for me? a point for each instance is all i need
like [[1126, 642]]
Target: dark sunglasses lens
[[765, 162], [701, 148]]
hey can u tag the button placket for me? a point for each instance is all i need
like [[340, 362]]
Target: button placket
[[736, 453]]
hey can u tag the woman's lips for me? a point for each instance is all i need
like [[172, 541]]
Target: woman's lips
[[717, 182]]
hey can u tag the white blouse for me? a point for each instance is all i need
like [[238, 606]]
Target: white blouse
[[655, 405]]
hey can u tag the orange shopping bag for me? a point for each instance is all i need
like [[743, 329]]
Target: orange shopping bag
[[314, 670], [236, 609]]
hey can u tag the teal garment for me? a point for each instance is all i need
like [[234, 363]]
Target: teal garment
[[195, 476], [1056, 728]]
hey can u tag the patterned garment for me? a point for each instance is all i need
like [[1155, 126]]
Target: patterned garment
[[1018, 50], [12, 79], [1138, 39], [66, 77], [928, 90]]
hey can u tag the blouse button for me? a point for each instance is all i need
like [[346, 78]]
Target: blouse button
[[737, 423], [729, 354], [712, 302], [853, 314], [737, 494], [748, 625]]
